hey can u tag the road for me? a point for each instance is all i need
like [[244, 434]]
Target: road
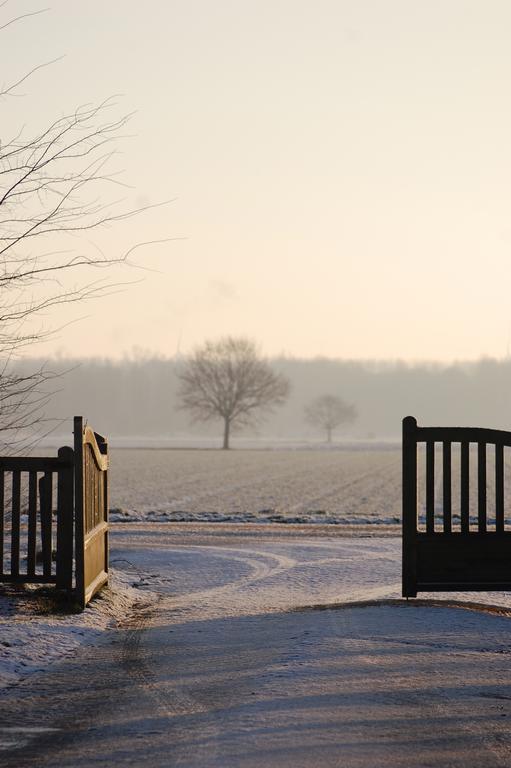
[[238, 662]]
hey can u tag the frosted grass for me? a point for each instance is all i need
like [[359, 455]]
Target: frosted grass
[[350, 486]]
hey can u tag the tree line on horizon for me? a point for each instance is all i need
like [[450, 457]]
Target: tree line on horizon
[[138, 397]]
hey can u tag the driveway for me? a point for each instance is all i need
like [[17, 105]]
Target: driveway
[[244, 652]]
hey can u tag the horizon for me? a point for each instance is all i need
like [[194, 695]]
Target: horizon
[[141, 356]]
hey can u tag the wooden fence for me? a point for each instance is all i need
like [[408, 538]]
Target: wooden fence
[[54, 517], [456, 526]]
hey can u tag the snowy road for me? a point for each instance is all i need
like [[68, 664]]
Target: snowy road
[[232, 666]]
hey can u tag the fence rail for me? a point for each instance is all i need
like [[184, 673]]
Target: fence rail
[[458, 535], [53, 517]]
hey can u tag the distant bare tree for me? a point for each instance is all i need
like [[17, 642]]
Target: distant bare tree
[[52, 190], [228, 380], [329, 412]]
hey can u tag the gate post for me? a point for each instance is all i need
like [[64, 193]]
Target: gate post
[[65, 514], [79, 511], [409, 585]]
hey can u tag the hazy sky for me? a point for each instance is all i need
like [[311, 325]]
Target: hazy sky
[[340, 169]]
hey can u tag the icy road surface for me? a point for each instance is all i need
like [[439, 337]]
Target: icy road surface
[[230, 665]]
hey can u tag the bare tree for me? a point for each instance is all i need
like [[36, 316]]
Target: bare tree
[[53, 189], [228, 380], [329, 412]]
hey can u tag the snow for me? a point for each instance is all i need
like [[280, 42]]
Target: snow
[[337, 542], [345, 486], [212, 570], [35, 631], [230, 594], [337, 487]]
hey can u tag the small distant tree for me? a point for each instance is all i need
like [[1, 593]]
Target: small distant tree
[[229, 380], [328, 412]]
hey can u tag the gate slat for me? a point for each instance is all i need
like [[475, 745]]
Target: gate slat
[[15, 523], [46, 503], [32, 522], [2, 527], [64, 564], [447, 500], [465, 486], [481, 487], [499, 487], [430, 486]]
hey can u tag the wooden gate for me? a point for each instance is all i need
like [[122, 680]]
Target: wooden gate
[[91, 511], [456, 529], [36, 519], [54, 517]]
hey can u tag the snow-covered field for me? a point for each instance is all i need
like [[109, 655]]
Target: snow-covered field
[[349, 486], [354, 486]]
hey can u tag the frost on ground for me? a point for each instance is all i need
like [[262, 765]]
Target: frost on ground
[[338, 487], [223, 569], [344, 487], [36, 630], [238, 666]]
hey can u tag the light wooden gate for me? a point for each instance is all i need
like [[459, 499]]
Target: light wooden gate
[[43, 502], [91, 511]]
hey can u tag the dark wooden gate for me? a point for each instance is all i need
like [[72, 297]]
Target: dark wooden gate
[[54, 517], [91, 510], [456, 528]]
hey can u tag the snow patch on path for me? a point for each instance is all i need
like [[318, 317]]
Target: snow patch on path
[[33, 634]]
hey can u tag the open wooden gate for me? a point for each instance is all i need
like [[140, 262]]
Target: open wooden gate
[[91, 511], [458, 535], [43, 501]]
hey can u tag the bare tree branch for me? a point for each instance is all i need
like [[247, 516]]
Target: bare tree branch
[[55, 183]]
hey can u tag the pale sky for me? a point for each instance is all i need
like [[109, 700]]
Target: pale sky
[[340, 170]]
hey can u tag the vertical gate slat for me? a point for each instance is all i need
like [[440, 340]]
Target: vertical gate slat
[[97, 503], [64, 564], [409, 469], [15, 524], [447, 500], [430, 486], [481, 487], [105, 507], [47, 557], [46, 503], [32, 521], [2, 527], [79, 507], [499, 488], [464, 487]]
